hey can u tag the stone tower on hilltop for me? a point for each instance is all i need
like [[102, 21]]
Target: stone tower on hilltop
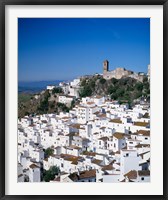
[[106, 66], [120, 73]]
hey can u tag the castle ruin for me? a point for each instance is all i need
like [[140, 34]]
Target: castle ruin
[[119, 73]]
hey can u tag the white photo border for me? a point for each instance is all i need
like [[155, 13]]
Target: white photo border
[[12, 13]]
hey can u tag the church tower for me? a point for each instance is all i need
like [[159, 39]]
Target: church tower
[[105, 66]]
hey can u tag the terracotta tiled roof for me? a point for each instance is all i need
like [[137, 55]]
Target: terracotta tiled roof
[[75, 147], [141, 124], [72, 134], [96, 113], [116, 121], [107, 167], [144, 132], [146, 115], [57, 179], [131, 174], [96, 161], [102, 115], [20, 175], [95, 133], [44, 121], [98, 97], [87, 174], [142, 145], [89, 153], [90, 103], [103, 138], [75, 126], [32, 166], [65, 117], [75, 162], [32, 125], [118, 135], [83, 175], [103, 127], [74, 177], [144, 173], [69, 157]]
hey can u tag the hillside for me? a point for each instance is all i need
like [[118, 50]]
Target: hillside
[[118, 89], [125, 89], [45, 102]]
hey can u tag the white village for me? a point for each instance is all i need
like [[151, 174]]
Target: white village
[[98, 140]]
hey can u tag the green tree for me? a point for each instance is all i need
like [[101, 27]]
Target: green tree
[[139, 86], [127, 96], [85, 91], [63, 107], [123, 81], [43, 107], [114, 81], [129, 88], [50, 174], [27, 113], [145, 79], [114, 96], [111, 89], [92, 83], [138, 94], [120, 92], [48, 152], [102, 80], [83, 82], [57, 90]]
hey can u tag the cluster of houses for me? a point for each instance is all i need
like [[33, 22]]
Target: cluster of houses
[[99, 140], [69, 88], [70, 91]]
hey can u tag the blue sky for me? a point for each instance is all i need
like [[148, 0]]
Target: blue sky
[[64, 48]]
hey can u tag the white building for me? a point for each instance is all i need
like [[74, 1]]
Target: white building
[[66, 99], [75, 82], [98, 140], [129, 161], [34, 173], [50, 87]]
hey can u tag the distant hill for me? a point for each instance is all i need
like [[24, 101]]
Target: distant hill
[[35, 86]]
